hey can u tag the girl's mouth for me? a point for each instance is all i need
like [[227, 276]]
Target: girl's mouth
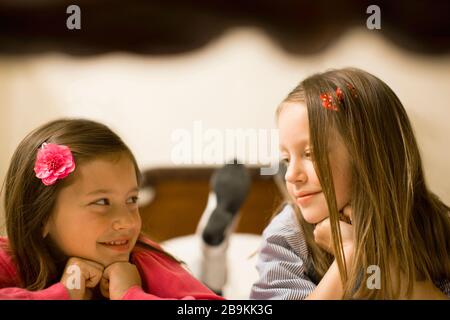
[[304, 200], [117, 245]]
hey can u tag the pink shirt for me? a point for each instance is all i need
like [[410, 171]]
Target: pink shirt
[[162, 278]]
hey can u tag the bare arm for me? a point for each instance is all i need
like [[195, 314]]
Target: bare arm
[[331, 287]]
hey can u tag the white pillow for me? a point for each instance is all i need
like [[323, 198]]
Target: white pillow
[[241, 260]]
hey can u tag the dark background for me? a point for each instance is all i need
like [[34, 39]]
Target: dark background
[[173, 27]]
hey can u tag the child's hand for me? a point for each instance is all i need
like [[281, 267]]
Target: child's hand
[[322, 233], [118, 278], [80, 276]]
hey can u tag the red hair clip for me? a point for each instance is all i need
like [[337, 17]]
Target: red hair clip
[[340, 95], [327, 98], [352, 90], [327, 102]]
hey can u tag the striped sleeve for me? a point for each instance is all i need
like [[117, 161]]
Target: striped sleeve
[[444, 286], [282, 261]]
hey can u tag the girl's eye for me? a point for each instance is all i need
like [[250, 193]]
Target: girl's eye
[[133, 200], [285, 161], [308, 154], [102, 202]]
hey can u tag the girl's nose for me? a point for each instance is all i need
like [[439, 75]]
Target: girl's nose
[[295, 173], [125, 220]]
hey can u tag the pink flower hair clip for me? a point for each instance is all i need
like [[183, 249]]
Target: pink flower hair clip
[[53, 162], [327, 98]]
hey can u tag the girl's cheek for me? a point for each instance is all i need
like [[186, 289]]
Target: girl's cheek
[[289, 189], [138, 222], [343, 195]]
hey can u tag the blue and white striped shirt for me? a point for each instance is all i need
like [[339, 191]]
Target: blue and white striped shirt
[[284, 264]]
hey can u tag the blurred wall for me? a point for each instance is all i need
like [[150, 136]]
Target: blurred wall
[[235, 82]]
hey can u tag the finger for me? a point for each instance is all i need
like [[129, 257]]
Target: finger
[[86, 266], [344, 218], [93, 280], [107, 271], [92, 271], [93, 264], [323, 222], [104, 281], [105, 292], [321, 229], [330, 246], [347, 212], [104, 287], [94, 276]]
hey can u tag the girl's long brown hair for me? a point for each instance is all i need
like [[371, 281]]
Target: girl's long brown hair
[[399, 224], [29, 203]]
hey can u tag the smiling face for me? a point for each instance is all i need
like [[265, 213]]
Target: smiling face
[[301, 178], [96, 216]]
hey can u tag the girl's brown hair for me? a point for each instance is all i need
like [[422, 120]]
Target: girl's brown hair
[[399, 225], [29, 203]]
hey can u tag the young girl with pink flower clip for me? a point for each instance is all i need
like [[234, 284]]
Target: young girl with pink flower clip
[[73, 224]]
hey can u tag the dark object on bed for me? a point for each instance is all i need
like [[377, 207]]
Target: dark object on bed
[[180, 196], [230, 185]]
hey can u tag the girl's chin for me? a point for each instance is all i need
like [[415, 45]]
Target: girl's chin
[[108, 261], [312, 218]]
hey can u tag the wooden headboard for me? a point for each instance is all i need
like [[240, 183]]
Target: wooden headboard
[[180, 197]]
